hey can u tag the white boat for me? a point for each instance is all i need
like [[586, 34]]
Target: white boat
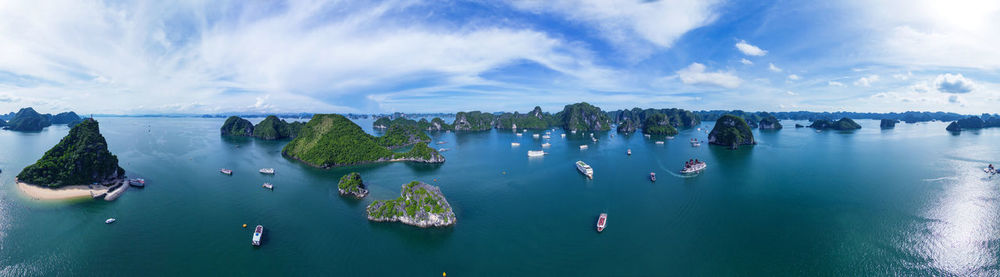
[[585, 169], [629, 152], [546, 144], [647, 135], [441, 142], [514, 144], [524, 130], [602, 221], [534, 135], [538, 153], [659, 142], [693, 166], [562, 135], [519, 134], [110, 220], [548, 132], [670, 137], [267, 170], [695, 143], [584, 147], [257, 234], [226, 171], [546, 137], [268, 186], [442, 149], [572, 131]]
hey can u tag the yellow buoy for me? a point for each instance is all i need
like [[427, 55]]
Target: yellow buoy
[[244, 225], [443, 274]]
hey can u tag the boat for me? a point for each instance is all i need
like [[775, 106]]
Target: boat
[[514, 144], [652, 176], [538, 153], [585, 169], [519, 134], [268, 186], [695, 143], [602, 221], [584, 147], [693, 166], [628, 152], [534, 135], [267, 170], [546, 137], [562, 135], [659, 142], [572, 131], [670, 137], [257, 233], [546, 144], [548, 132], [226, 171], [110, 220], [137, 182], [442, 149], [441, 142], [647, 135], [594, 139]]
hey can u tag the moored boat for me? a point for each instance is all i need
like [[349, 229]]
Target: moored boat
[[257, 234], [628, 152], [584, 147], [538, 153], [514, 144], [110, 220], [226, 171], [602, 221], [585, 169], [267, 170], [268, 186]]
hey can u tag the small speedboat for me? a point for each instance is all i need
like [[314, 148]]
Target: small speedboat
[[628, 152], [538, 153], [546, 144], [514, 144], [110, 220], [226, 171], [268, 186], [267, 171], [257, 234], [602, 221], [659, 142], [652, 176]]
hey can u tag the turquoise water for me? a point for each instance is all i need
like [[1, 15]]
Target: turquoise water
[[908, 201]]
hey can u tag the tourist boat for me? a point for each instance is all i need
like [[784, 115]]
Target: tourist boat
[[572, 131], [534, 135], [602, 221], [519, 134], [514, 144], [268, 186], [137, 182], [267, 170], [647, 135], [441, 142], [257, 233], [585, 169], [594, 139], [584, 147], [226, 171], [628, 152], [695, 143], [538, 153], [442, 149], [659, 142], [693, 166], [110, 220], [548, 132], [546, 144], [562, 135], [546, 137], [670, 137], [652, 176]]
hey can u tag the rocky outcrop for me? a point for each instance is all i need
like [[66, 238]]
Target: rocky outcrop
[[627, 126], [584, 117], [236, 126], [799, 125], [69, 118], [844, 124], [770, 123], [351, 184], [973, 122], [419, 204], [953, 127], [330, 140], [658, 124], [80, 158], [273, 128], [28, 120], [473, 121], [731, 131], [888, 123]]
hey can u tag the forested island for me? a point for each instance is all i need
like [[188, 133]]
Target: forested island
[[330, 140], [351, 184], [80, 158], [974, 122], [419, 204], [731, 131], [844, 124], [29, 120], [887, 123], [436, 124], [271, 128]]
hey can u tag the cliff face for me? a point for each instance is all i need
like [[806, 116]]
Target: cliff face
[[770, 123], [731, 131], [844, 124], [27, 119], [627, 126], [272, 128], [473, 121], [66, 118], [80, 158], [887, 124], [584, 117], [658, 124], [973, 122], [351, 184], [419, 205], [236, 126], [330, 140]]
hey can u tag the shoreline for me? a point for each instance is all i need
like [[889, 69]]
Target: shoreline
[[63, 193]]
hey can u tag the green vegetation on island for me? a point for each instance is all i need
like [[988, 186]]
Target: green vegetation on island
[[236, 126], [419, 204], [658, 124], [974, 122], [436, 124], [351, 184], [627, 126], [888, 123], [535, 119], [27, 119], [770, 123], [844, 124], [68, 118], [330, 140], [731, 131], [473, 121], [80, 158], [272, 128], [630, 120], [583, 117], [401, 136]]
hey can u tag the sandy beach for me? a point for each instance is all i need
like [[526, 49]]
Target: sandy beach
[[62, 193]]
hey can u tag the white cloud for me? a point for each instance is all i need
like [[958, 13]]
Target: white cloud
[[774, 68], [790, 92], [951, 83], [866, 81], [794, 77], [903, 77], [746, 61], [749, 49], [695, 74], [658, 22], [834, 84]]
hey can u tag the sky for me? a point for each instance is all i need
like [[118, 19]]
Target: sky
[[194, 57]]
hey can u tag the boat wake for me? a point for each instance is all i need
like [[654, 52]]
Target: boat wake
[[941, 179]]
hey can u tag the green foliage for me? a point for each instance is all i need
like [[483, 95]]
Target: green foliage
[[273, 128], [27, 119], [351, 183], [436, 124], [382, 122], [770, 122], [415, 197], [236, 126], [535, 119], [584, 117], [400, 135], [329, 140], [658, 124], [732, 131], [66, 118], [843, 124], [473, 121], [81, 157]]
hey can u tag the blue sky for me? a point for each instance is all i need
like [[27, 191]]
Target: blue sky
[[128, 57]]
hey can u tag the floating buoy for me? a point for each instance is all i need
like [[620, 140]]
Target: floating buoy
[[244, 225], [444, 274]]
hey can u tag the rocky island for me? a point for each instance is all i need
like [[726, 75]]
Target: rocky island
[[330, 140], [583, 117], [80, 165], [658, 124], [436, 124], [888, 123], [473, 121], [271, 128], [536, 120], [974, 122], [237, 126], [731, 131], [770, 123], [635, 118], [351, 184], [419, 204], [844, 124], [28, 120]]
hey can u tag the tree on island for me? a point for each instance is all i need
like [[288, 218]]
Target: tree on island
[[80, 158]]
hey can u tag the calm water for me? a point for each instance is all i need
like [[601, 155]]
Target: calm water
[[909, 201]]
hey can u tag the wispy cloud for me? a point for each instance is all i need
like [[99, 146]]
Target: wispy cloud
[[750, 50], [773, 67], [695, 74]]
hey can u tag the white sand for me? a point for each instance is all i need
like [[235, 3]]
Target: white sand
[[62, 193]]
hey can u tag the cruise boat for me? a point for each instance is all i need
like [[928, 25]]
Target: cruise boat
[[534, 135], [546, 144], [257, 233], [110, 220], [442, 149], [538, 153], [267, 170], [602, 221], [562, 135], [226, 171], [652, 176], [693, 166], [584, 147], [594, 139], [585, 169], [268, 186], [514, 144], [695, 143], [628, 152], [546, 137], [647, 135], [519, 134], [441, 142], [137, 182], [659, 142]]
